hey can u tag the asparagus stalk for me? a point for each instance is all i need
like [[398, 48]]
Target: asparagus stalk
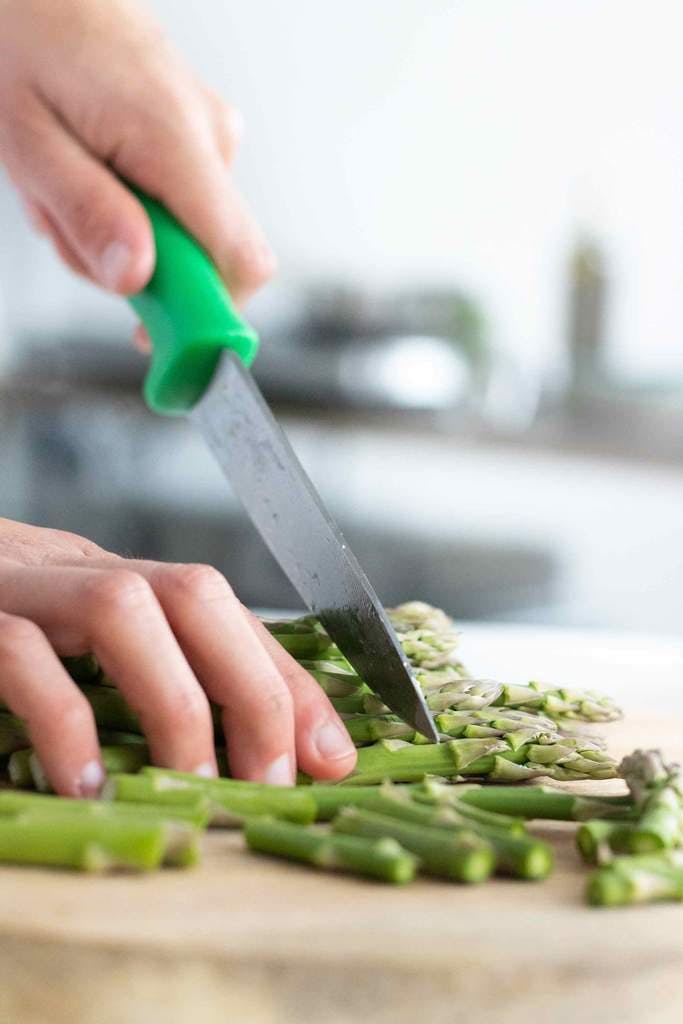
[[521, 856], [647, 878], [458, 695], [599, 840], [518, 727], [231, 801], [302, 638], [19, 768], [462, 857], [13, 734], [531, 802], [657, 791], [141, 789], [493, 758], [381, 858], [195, 812], [338, 680], [83, 668], [89, 843], [110, 708], [329, 799], [559, 703]]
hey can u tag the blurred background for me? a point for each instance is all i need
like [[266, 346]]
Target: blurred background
[[475, 341]]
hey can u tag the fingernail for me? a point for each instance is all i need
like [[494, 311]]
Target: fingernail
[[279, 772], [332, 741], [205, 770], [92, 779], [114, 264]]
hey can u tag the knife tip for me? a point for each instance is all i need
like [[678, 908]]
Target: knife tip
[[425, 724]]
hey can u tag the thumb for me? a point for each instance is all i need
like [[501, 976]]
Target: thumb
[[99, 219]]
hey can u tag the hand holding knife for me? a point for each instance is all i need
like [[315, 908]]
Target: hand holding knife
[[202, 349]]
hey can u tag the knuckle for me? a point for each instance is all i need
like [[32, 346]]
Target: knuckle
[[272, 702], [118, 590], [173, 117], [183, 708], [75, 716], [16, 634], [90, 213], [265, 700], [254, 264], [200, 583]]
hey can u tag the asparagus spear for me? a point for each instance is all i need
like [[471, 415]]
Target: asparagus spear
[[641, 879], [329, 799], [83, 668], [13, 734], [437, 793], [88, 843], [463, 857], [517, 727], [536, 802], [231, 801], [110, 708], [196, 811], [521, 856], [559, 703], [381, 858], [19, 768], [302, 638], [493, 758], [657, 791], [599, 840], [457, 695]]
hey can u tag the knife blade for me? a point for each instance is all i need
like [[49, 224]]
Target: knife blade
[[201, 352], [258, 460]]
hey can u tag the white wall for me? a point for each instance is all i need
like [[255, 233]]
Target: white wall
[[422, 140]]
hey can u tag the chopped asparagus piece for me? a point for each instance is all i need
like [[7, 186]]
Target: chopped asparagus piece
[[195, 812], [462, 857], [381, 858], [521, 856], [88, 843], [647, 878], [657, 791]]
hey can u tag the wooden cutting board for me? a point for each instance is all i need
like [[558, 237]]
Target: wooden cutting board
[[255, 941]]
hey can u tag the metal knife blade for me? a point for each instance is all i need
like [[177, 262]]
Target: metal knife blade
[[258, 460]]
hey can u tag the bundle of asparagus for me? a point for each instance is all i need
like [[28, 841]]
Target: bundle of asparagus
[[386, 832], [497, 731], [491, 731]]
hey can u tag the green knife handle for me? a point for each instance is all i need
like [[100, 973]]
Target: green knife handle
[[189, 316]]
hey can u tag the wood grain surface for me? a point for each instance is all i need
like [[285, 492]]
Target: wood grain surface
[[256, 941]]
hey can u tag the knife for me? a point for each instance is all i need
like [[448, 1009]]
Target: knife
[[201, 353]]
